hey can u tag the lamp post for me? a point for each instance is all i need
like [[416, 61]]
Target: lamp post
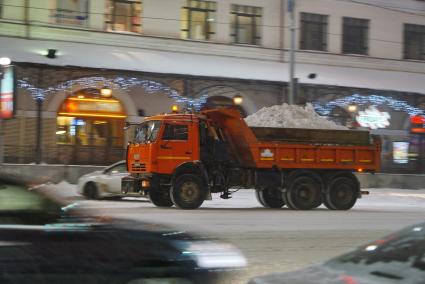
[[292, 80], [4, 62]]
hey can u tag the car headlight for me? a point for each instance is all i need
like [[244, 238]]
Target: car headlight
[[211, 254]]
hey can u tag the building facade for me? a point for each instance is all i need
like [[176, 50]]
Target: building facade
[[361, 63]]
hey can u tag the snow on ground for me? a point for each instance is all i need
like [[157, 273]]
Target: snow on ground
[[402, 200], [290, 116]]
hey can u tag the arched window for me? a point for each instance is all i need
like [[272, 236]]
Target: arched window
[[92, 125]]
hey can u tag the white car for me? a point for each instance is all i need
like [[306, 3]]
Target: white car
[[104, 183]]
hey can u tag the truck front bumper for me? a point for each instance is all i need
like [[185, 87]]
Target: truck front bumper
[[141, 185]]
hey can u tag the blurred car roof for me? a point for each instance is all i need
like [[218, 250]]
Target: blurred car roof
[[396, 258]]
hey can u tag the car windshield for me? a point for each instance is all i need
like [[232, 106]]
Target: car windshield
[[20, 205], [399, 257], [147, 131]]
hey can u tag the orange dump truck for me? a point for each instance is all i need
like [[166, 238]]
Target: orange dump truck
[[181, 158]]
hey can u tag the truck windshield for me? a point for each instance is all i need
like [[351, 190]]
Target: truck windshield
[[147, 131]]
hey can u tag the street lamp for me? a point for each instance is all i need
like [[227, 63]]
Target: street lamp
[[237, 100], [352, 108], [4, 62], [106, 92]]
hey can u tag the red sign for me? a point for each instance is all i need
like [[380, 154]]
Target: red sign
[[7, 93], [417, 119], [417, 124]]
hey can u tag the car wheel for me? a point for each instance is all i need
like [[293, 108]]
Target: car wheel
[[90, 191], [188, 192]]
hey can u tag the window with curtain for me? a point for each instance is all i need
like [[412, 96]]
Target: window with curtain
[[198, 20], [355, 36], [314, 32], [124, 16], [246, 24], [414, 42]]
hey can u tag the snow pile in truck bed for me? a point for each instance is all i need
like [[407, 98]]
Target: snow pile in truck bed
[[290, 116]]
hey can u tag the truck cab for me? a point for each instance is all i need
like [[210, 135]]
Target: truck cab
[[169, 149]]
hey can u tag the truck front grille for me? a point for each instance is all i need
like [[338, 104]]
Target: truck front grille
[[138, 167]]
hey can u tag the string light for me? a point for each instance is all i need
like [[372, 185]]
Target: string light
[[376, 100], [123, 83]]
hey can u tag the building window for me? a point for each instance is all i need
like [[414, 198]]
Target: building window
[[198, 20], [414, 42], [355, 36], [71, 12], [246, 24], [314, 31], [124, 16]]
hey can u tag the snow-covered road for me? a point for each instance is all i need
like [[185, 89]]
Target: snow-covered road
[[277, 240]]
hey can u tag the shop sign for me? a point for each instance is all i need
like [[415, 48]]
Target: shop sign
[[417, 124], [7, 93], [373, 118], [75, 105]]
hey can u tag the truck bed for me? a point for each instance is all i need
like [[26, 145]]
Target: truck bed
[[312, 136], [289, 148]]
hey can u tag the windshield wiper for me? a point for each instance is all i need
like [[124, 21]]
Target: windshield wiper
[[386, 275]]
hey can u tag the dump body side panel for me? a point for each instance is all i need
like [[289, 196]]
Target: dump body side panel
[[303, 156], [263, 147]]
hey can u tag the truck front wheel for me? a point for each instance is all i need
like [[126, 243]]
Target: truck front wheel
[[188, 192], [270, 197], [160, 198]]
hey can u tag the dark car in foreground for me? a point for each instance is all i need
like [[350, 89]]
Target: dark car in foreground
[[398, 258], [43, 241]]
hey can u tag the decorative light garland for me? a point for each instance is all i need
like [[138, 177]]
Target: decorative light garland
[[124, 83], [357, 99]]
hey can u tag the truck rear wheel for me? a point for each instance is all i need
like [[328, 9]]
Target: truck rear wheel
[[342, 193], [160, 198], [270, 197], [303, 193], [188, 192]]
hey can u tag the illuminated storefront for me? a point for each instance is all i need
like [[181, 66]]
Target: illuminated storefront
[[90, 128], [397, 118]]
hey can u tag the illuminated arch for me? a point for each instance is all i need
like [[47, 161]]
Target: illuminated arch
[[357, 99]]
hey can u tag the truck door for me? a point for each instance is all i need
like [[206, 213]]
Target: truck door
[[175, 147]]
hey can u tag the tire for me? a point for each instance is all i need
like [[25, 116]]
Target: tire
[[90, 191], [342, 193], [160, 198], [303, 193], [270, 197], [188, 192]]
